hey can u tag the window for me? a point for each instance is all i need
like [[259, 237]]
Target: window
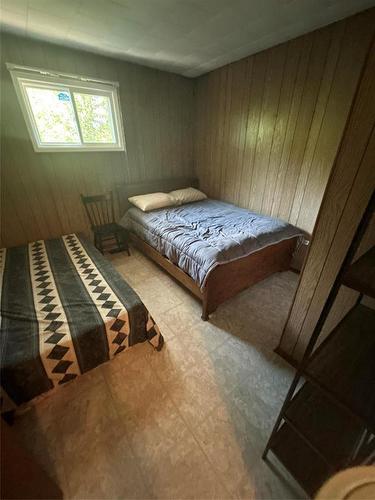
[[68, 113]]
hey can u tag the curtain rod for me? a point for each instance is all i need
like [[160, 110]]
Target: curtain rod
[[46, 72]]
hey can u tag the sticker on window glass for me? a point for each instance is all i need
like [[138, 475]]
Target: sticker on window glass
[[63, 96]]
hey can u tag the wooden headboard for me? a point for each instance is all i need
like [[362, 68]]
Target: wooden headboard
[[124, 191]]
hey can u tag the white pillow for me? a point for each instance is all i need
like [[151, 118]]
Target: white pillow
[[152, 201], [187, 195]]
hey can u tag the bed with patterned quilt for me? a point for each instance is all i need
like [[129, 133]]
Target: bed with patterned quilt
[[64, 311]]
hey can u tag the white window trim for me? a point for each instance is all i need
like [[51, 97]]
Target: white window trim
[[21, 74]]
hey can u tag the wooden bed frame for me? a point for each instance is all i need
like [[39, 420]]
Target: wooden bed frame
[[225, 280]]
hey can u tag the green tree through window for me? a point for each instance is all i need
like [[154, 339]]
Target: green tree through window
[[54, 117], [94, 114]]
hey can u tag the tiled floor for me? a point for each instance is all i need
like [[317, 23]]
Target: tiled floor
[[190, 421]]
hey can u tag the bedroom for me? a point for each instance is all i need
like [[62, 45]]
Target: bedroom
[[271, 119]]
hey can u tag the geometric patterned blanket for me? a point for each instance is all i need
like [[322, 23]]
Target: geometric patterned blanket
[[64, 310]]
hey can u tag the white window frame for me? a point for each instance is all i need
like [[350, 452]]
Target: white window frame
[[22, 76]]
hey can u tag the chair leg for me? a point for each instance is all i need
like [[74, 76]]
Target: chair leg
[[118, 241], [126, 242], [101, 249], [122, 242]]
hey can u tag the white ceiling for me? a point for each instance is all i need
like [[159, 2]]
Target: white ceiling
[[190, 37]]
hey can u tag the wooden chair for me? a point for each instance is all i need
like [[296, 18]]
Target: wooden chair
[[99, 209]]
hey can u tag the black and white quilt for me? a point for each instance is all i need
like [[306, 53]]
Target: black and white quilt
[[64, 310]]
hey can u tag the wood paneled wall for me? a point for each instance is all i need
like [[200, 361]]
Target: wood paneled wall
[[269, 126], [348, 192], [40, 191], [267, 129]]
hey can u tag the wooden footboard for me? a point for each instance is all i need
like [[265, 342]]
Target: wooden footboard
[[166, 264], [226, 280]]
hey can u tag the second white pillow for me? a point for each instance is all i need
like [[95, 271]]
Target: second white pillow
[[187, 195]]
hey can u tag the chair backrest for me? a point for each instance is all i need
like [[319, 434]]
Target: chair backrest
[[99, 209]]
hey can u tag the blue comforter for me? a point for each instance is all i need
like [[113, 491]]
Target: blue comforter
[[201, 235]]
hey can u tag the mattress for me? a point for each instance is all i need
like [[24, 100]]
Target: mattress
[[199, 236], [64, 311]]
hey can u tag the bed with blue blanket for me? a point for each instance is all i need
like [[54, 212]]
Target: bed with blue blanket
[[214, 248], [64, 310]]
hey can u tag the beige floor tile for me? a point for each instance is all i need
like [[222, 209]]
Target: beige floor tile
[[174, 464], [155, 430], [264, 482], [229, 364], [262, 416], [230, 318], [205, 336], [118, 259], [269, 377], [183, 317], [105, 469], [165, 330], [187, 297], [136, 271], [157, 296], [174, 359], [135, 389], [234, 445], [182, 472], [228, 440], [92, 415], [195, 394]]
